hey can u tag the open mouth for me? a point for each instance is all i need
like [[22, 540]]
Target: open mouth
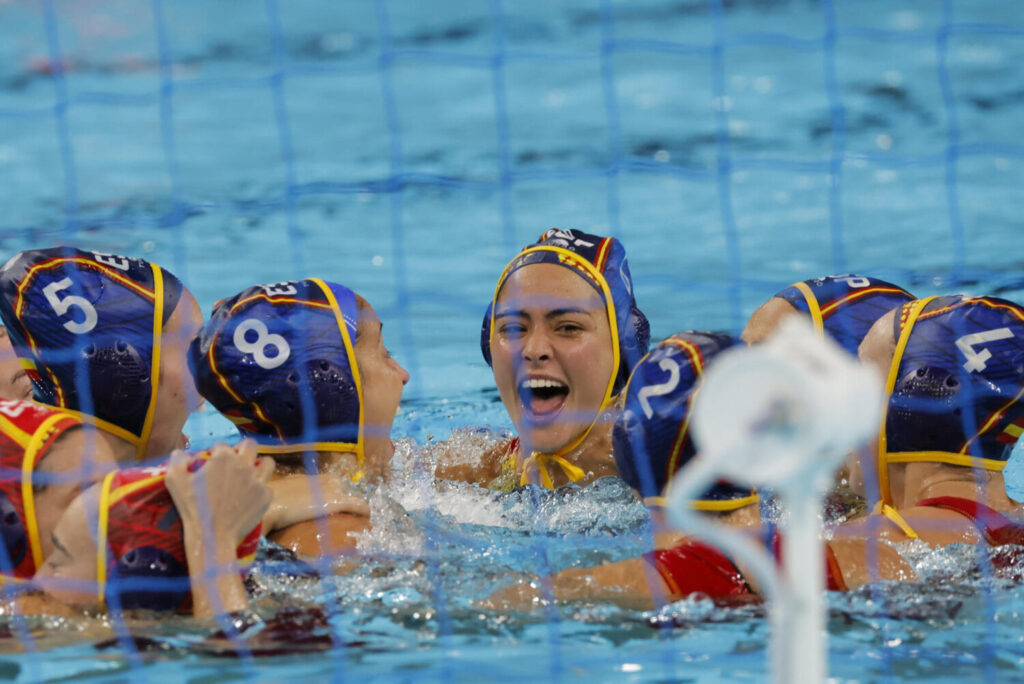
[[542, 398]]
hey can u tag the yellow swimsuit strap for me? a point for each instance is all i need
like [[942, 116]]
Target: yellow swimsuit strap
[[543, 461], [897, 519]]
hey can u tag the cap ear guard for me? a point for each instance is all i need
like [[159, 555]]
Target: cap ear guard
[[332, 392], [485, 334], [636, 339], [147, 578], [12, 530], [925, 411], [120, 380]]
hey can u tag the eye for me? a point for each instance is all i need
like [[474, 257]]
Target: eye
[[511, 329]]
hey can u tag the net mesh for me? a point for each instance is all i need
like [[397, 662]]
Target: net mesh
[[408, 150]]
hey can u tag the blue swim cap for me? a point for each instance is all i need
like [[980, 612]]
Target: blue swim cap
[[651, 438], [279, 361], [147, 577], [955, 384], [602, 264], [87, 327], [845, 306]]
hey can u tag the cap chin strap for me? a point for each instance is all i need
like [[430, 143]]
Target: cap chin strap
[[543, 461], [571, 471], [894, 516]]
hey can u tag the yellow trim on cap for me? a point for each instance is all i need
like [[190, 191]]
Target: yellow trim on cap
[[154, 362], [573, 260], [103, 425], [12, 430], [101, 539], [946, 457], [360, 445], [709, 504], [28, 465], [894, 368], [812, 305]]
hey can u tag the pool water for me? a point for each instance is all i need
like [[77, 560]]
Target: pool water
[[407, 150]]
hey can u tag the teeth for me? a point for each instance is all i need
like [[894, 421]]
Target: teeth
[[538, 383]]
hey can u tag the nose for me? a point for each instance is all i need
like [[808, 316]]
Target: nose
[[536, 346], [404, 374]]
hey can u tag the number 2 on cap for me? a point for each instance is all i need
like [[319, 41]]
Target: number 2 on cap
[[62, 306], [258, 347], [660, 389]]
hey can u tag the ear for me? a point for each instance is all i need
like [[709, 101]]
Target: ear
[[485, 334], [635, 339]]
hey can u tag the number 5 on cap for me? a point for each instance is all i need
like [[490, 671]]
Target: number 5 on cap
[[61, 306]]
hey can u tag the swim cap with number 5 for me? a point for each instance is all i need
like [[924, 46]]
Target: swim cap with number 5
[[85, 326]]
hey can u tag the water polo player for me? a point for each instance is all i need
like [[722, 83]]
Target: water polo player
[[158, 538], [46, 458], [301, 368], [105, 337], [562, 334], [652, 442], [843, 306], [954, 372]]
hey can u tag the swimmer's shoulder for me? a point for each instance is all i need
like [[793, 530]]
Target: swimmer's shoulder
[[932, 525]]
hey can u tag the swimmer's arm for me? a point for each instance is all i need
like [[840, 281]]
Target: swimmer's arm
[[214, 524], [295, 500], [632, 583], [454, 467]]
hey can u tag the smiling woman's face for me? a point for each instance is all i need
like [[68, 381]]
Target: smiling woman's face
[[552, 354]]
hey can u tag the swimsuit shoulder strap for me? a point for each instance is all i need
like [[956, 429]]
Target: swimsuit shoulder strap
[[993, 525]]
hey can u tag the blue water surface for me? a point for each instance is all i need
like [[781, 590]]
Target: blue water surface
[[408, 149]]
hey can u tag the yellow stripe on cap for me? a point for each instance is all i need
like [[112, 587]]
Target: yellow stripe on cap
[[101, 539], [359, 448], [890, 384], [154, 372], [812, 305], [717, 505], [571, 259], [104, 425], [28, 465]]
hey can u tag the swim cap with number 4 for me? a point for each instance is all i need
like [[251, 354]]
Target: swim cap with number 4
[[279, 361], [956, 384]]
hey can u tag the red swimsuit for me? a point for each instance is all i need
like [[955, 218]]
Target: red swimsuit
[[695, 567]]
